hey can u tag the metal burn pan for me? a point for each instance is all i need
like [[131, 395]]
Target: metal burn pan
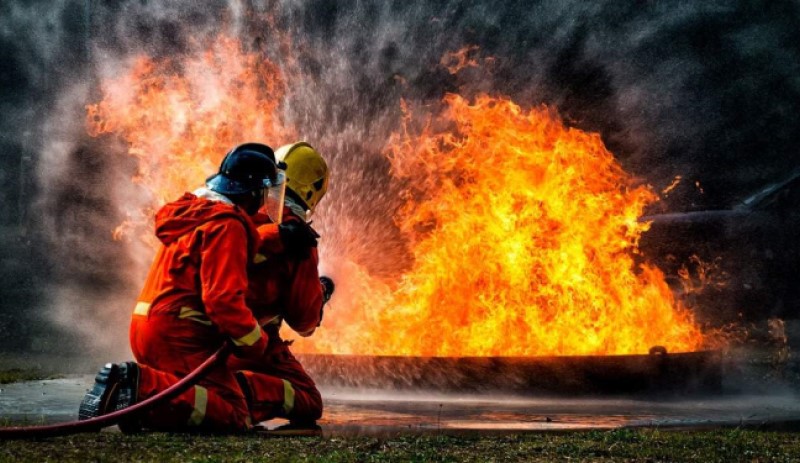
[[658, 372]]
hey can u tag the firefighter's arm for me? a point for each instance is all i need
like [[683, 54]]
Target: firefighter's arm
[[223, 278], [270, 237], [305, 299], [293, 236]]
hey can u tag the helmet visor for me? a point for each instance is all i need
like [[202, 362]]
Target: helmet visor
[[274, 193]]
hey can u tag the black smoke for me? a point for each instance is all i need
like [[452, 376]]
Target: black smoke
[[705, 90]]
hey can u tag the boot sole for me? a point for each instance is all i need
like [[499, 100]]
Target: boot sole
[[97, 402]]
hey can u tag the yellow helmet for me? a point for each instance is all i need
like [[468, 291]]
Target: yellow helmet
[[306, 172]]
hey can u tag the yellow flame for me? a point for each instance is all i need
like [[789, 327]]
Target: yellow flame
[[523, 232], [180, 116]]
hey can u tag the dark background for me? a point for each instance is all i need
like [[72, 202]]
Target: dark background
[[705, 90]]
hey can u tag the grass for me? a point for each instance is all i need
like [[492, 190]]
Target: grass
[[639, 445], [646, 445], [12, 375]]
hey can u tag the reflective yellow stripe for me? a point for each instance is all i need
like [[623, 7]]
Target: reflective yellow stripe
[[250, 338], [194, 315], [200, 403], [259, 258], [288, 397], [142, 308], [274, 320], [187, 312]]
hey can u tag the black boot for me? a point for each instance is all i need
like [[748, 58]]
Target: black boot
[[102, 398], [128, 395]]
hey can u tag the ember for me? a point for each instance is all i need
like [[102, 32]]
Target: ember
[[522, 229]]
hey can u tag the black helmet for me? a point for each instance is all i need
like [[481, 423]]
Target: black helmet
[[244, 169]]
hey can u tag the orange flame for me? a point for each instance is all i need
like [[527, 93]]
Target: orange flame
[[521, 229], [675, 182], [180, 116], [458, 60], [522, 232]]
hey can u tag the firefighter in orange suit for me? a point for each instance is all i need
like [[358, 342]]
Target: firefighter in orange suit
[[285, 286], [193, 301]]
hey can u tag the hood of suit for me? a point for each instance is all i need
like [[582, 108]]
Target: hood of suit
[[184, 215]]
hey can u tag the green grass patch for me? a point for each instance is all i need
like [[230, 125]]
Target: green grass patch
[[13, 375], [646, 445]]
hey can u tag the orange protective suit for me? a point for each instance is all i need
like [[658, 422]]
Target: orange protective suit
[[282, 288], [192, 302]]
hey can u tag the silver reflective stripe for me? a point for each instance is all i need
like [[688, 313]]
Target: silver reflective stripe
[[142, 308], [210, 195], [200, 404]]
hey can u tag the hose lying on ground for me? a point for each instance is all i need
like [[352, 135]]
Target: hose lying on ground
[[97, 423]]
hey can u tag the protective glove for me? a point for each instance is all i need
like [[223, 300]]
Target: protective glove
[[298, 238], [327, 291]]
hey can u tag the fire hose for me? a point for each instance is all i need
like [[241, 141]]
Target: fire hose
[[97, 423]]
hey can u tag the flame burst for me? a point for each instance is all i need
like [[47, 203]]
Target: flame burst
[[522, 232], [179, 116]]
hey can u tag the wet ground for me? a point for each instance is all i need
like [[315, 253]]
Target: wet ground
[[371, 412]]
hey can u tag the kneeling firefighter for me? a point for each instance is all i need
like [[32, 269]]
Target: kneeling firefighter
[[193, 302], [285, 286]]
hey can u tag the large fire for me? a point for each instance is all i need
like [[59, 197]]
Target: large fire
[[522, 230], [180, 116]]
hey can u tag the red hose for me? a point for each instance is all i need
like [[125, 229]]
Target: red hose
[[97, 423]]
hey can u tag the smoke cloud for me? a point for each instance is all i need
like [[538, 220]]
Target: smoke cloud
[[707, 90]]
